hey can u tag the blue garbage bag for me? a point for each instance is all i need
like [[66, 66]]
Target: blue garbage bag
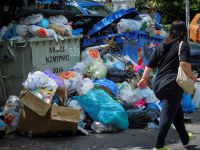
[[187, 105], [108, 84], [10, 33], [103, 108]]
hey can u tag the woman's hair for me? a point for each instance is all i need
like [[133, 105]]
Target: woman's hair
[[178, 32]]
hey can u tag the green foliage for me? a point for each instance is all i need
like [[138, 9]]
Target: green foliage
[[171, 10]]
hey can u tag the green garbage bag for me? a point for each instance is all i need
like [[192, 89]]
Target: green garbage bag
[[103, 108]]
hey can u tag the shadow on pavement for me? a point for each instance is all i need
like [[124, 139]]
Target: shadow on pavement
[[192, 147]]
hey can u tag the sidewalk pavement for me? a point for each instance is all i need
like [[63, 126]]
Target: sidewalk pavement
[[133, 139]]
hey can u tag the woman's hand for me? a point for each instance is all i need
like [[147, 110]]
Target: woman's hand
[[194, 78], [142, 83]]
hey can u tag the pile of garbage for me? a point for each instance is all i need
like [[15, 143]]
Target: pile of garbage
[[9, 115], [36, 25], [142, 22], [103, 88], [98, 94]]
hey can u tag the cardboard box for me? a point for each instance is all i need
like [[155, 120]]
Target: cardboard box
[[40, 118]]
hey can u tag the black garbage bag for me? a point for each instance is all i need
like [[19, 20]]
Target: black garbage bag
[[152, 111], [137, 118], [119, 76]]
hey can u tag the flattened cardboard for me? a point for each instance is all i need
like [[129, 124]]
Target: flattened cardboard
[[39, 118], [62, 114], [35, 104], [32, 123]]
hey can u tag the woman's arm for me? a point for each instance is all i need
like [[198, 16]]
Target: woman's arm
[[145, 77], [188, 70], [147, 72]]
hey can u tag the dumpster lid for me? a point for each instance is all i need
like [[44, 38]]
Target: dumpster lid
[[111, 18]]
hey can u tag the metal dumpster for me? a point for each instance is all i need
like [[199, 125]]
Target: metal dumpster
[[18, 58], [131, 41]]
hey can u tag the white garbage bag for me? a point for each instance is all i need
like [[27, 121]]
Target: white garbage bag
[[31, 20], [22, 30], [58, 20], [128, 25]]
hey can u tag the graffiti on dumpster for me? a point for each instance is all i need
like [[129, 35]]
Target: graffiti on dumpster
[[57, 70], [55, 59], [59, 54]]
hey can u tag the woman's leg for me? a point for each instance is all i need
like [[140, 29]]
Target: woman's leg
[[171, 104], [180, 126]]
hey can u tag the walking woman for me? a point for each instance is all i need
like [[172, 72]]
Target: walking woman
[[165, 58]]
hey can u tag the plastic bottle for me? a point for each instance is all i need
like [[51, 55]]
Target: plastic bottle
[[152, 125], [99, 127]]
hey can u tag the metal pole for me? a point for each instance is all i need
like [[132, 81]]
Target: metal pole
[[187, 5]]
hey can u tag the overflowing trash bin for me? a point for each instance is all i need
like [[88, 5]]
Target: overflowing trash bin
[[137, 33], [62, 88], [18, 58]]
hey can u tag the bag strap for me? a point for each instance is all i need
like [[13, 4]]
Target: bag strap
[[179, 49]]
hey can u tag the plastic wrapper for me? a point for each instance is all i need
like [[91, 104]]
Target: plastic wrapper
[[140, 103], [117, 64], [128, 25], [196, 97], [187, 105], [96, 69], [80, 67], [12, 104], [103, 108], [12, 112], [32, 19], [145, 18], [146, 94], [108, 84], [45, 94], [99, 127], [55, 77], [146, 21], [11, 119], [113, 63], [84, 86], [72, 83], [22, 30], [38, 80], [125, 92], [59, 20]]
